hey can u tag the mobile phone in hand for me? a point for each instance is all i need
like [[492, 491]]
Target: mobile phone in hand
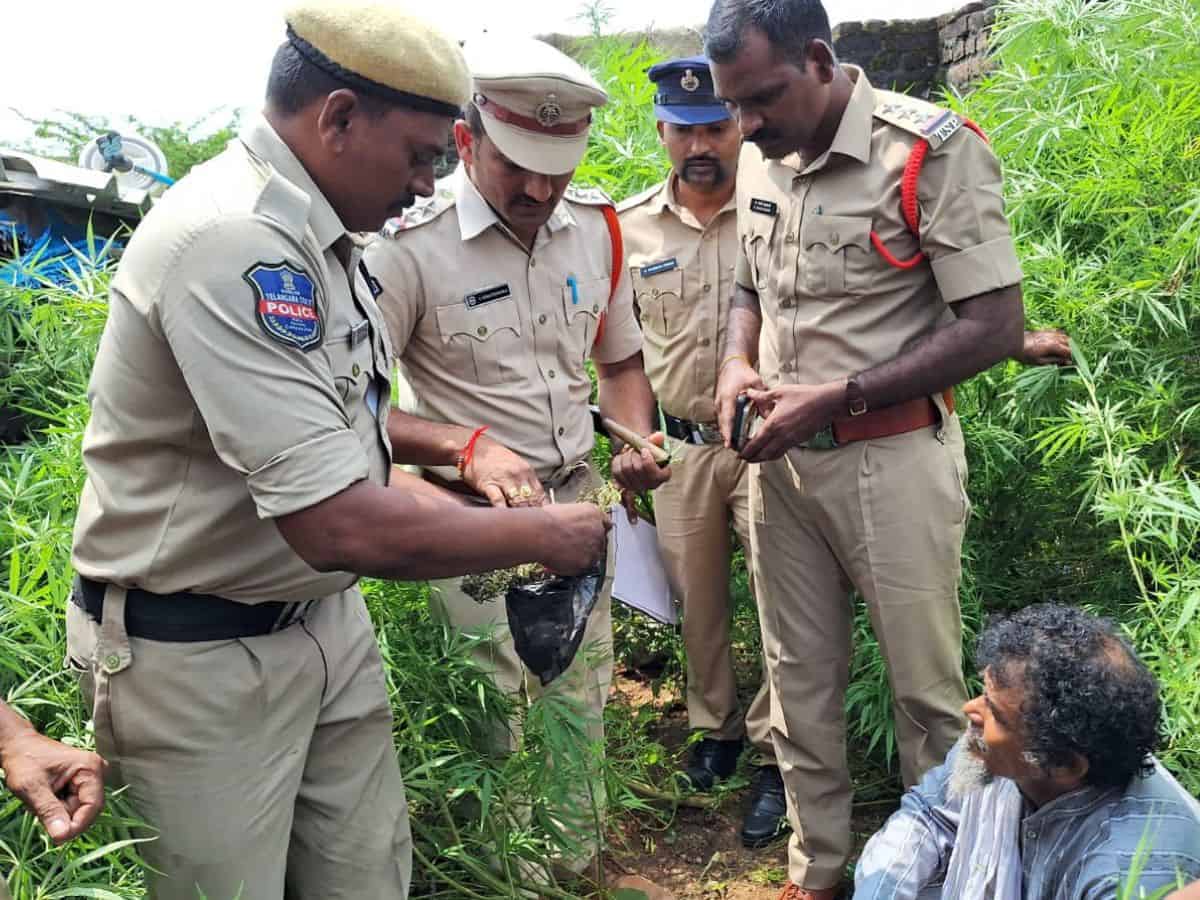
[[744, 413]]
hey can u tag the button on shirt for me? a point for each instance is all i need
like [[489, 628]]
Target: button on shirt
[[682, 274], [1077, 847], [831, 304], [489, 333], [220, 400]]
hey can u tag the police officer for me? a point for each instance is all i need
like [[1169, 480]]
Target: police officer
[[681, 246], [496, 292], [862, 298], [238, 468]]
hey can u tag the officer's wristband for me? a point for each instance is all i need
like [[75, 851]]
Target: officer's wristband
[[467, 453]]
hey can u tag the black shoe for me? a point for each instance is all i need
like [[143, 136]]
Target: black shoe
[[766, 817], [712, 759]]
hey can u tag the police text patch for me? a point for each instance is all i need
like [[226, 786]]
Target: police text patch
[[766, 207], [658, 268], [286, 304], [487, 295]]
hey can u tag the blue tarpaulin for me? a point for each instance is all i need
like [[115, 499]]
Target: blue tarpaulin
[[56, 256]]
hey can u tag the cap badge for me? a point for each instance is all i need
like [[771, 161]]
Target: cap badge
[[689, 82], [548, 112]]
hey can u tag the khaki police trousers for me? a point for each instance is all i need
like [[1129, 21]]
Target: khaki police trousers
[[709, 491], [885, 517], [265, 764], [586, 681]]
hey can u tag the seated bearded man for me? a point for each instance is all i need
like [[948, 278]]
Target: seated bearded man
[[1053, 790]]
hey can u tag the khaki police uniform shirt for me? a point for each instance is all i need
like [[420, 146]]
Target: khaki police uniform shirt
[[682, 274], [490, 334], [239, 378], [831, 305]]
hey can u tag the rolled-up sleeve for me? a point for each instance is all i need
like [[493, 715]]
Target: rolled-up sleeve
[[269, 406], [964, 231]]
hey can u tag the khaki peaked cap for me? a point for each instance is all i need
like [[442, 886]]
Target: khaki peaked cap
[[535, 101], [383, 50]]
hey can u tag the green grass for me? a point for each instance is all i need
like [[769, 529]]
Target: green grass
[[1083, 480]]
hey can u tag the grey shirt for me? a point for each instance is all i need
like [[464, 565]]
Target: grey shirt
[[1079, 847]]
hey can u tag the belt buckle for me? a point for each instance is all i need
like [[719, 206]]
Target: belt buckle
[[822, 440], [709, 434]]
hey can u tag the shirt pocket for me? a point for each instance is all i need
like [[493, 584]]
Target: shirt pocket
[[757, 243], [838, 255], [352, 356], [482, 343], [660, 301], [582, 307]]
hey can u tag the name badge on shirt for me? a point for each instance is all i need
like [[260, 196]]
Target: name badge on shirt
[[766, 207], [487, 295], [658, 268], [359, 333]]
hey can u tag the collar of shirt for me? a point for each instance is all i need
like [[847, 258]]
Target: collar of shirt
[[475, 215], [666, 200], [853, 137], [1070, 805], [264, 142]]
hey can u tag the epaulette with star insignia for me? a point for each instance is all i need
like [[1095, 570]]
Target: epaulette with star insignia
[[925, 120], [424, 211], [588, 196]]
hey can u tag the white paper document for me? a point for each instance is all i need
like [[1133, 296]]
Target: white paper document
[[640, 581]]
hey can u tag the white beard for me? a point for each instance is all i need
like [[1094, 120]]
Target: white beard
[[970, 773]]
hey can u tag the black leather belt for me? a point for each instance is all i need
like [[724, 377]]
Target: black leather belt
[[692, 432], [185, 617]]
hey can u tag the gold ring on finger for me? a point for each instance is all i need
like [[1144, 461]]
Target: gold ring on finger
[[526, 492]]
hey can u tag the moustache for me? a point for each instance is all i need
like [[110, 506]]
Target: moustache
[[701, 161]]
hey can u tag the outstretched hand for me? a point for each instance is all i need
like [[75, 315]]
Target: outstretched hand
[[63, 786], [1050, 347]]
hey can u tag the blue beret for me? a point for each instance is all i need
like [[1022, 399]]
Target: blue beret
[[684, 94]]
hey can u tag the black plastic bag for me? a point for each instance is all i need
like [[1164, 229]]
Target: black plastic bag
[[547, 619]]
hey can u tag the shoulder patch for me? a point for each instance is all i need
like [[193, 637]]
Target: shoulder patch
[[933, 123], [638, 199], [588, 196], [424, 211], [285, 304]]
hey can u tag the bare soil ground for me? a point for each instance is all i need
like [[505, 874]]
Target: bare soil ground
[[696, 853]]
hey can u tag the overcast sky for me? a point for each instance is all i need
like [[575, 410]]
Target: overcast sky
[[166, 61]]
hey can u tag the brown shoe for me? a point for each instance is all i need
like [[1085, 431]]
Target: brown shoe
[[795, 892]]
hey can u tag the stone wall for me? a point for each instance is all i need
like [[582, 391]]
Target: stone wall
[[921, 55], [914, 55], [963, 37]]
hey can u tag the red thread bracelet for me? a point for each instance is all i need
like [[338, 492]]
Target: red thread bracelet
[[468, 451]]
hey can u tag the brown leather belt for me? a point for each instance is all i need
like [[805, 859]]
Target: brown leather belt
[[901, 418]]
